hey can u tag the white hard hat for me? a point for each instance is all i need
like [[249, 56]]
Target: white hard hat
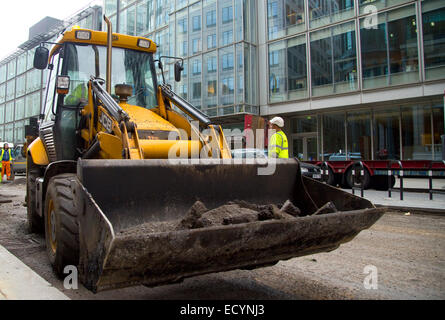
[[278, 121]]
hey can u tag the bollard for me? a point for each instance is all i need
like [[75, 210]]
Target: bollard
[[357, 175], [400, 176]]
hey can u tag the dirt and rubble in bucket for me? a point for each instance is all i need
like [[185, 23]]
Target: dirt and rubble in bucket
[[231, 213]]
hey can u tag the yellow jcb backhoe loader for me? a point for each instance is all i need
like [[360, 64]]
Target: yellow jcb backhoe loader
[[103, 187]]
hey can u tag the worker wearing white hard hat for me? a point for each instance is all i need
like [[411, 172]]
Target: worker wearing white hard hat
[[278, 144]]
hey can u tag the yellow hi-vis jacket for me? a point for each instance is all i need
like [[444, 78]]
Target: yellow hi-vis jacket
[[3, 152], [279, 146]]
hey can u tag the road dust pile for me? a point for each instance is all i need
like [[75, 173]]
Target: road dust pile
[[232, 213]]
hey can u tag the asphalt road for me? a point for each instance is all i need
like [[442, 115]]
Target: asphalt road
[[407, 253]]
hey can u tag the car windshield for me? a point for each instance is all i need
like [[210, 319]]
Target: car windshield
[[128, 67]]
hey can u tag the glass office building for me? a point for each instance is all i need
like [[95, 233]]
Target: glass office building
[[361, 77], [21, 86]]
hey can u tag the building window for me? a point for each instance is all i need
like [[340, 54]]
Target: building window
[[386, 134], [390, 52], [359, 134], [334, 60], [196, 23], [211, 41], [273, 58], [333, 143], [325, 12], [227, 61], [212, 88], [211, 19], [196, 67], [285, 17], [227, 37], [288, 70], [183, 48], [227, 86], [182, 25], [227, 14], [197, 90], [272, 9], [434, 39], [196, 44], [211, 64]]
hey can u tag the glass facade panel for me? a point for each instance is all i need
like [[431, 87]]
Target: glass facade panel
[[333, 134], [285, 17], [386, 134], [288, 70], [359, 134], [209, 24], [195, 28], [195, 76], [439, 128], [307, 124], [181, 33], [324, 12], [225, 22], [9, 112], [366, 6], [9, 132], [390, 51], [110, 7], [30, 59], [21, 63], [3, 73], [334, 60], [11, 69], [2, 93], [19, 109], [19, 131], [20, 88], [33, 80], [2, 114], [10, 90], [226, 76], [433, 14], [163, 8], [416, 133], [210, 76], [127, 21], [145, 18]]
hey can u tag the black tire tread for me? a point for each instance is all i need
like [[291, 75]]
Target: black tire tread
[[67, 252]]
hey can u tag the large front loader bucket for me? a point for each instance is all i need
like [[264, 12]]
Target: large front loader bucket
[[120, 195]]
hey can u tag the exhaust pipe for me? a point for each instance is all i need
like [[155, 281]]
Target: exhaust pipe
[[109, 47]]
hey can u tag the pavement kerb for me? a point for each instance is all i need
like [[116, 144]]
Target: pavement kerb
[[20, 282]]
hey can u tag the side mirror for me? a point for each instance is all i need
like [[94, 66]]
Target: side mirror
[[178, 70], [41, 58]]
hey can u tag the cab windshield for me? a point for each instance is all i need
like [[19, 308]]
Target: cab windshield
[[129, 67]]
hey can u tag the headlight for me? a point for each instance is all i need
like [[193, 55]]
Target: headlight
[[144, 43], [304, 170], [83, 35]]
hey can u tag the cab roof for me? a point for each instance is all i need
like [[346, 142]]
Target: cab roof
[[100, 38]]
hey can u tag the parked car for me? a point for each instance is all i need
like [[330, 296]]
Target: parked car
[[307, 169], [310, 170]]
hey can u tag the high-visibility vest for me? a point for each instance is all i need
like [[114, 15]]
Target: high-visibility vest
[[3, 152], [279, 146]]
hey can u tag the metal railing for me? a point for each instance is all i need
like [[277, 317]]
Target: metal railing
[[358, 176], [430, 180], [390, 171]]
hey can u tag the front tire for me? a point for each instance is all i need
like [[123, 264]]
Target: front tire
[[61, 224]]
